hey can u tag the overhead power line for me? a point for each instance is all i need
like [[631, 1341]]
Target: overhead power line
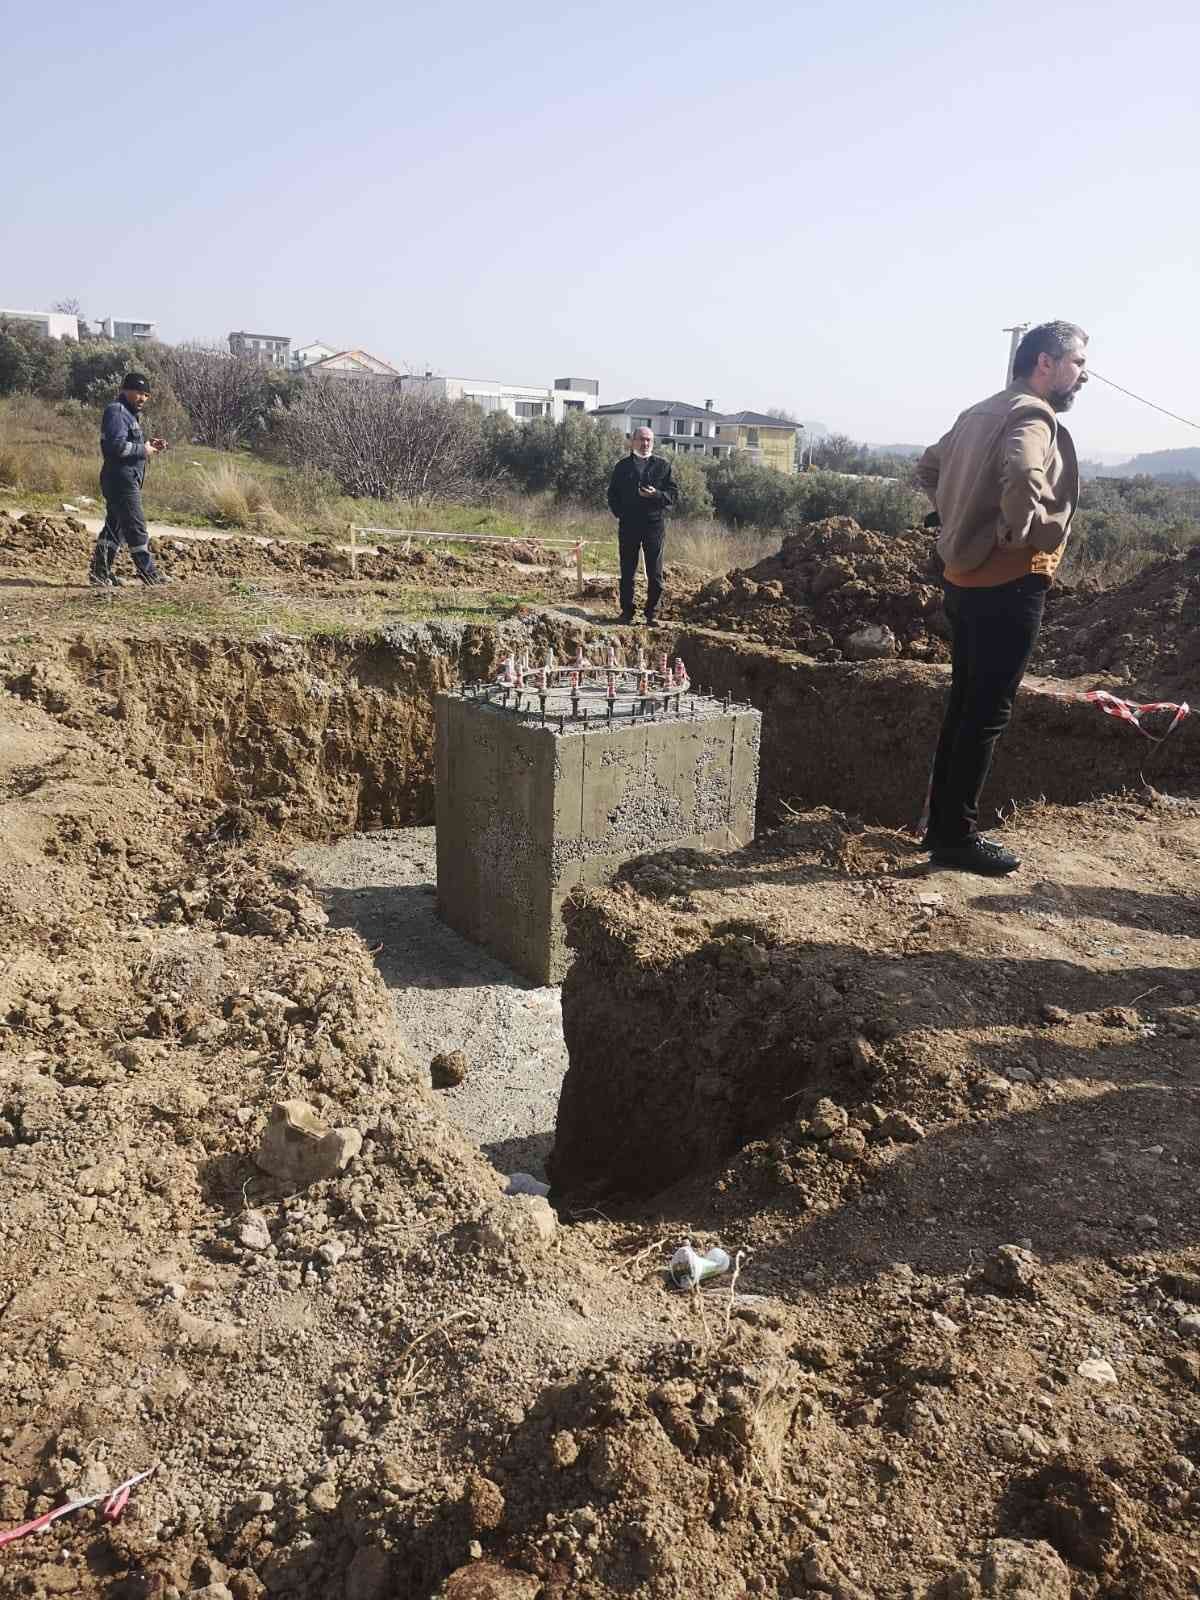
[[1187, 421]]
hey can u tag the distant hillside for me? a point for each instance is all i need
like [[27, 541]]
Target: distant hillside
[[897, 449], [1158, 464]]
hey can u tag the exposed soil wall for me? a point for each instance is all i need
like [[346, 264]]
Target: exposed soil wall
[[320, 737], [860, 737]]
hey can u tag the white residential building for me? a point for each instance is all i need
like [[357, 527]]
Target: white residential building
[[268, 349], [310, 353], [352, 366], [122, 328], [53, 324], [676, 425], [523, 402]]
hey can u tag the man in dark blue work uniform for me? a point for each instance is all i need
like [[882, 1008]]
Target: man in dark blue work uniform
[[126, 450]]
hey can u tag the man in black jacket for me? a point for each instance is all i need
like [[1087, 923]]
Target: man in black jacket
[[640, 493], [125, 450]]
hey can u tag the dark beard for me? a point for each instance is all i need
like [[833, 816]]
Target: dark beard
[[1062, 399]]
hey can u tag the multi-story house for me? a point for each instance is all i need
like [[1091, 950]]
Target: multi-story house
[[702, 430], [309, 353], [126, 328], [352, 366], [523, 402], [268, 349], [766, 441], [53, 324], [678, 426]]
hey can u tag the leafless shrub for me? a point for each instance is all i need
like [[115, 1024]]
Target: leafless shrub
[[226, 398], [377, 442]]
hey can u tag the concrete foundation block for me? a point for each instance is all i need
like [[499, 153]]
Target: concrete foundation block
[[526, 810]]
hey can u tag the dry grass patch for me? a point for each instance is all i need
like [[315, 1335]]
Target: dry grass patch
[[237, 499]]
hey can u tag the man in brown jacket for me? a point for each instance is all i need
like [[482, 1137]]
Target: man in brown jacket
[[1005, 481]]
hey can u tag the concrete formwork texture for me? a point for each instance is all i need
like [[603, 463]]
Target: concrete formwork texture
[[526, 810]]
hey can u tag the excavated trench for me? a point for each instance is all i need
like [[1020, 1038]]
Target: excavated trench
[[326, 746]]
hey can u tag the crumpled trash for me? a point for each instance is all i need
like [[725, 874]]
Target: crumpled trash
[[689, 1268], [526, 1183]]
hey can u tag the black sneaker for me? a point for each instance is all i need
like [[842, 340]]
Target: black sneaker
[[649, 619], [984, 856], [625, 619]]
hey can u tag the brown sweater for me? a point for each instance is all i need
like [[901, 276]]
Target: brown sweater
[[1005, 480]]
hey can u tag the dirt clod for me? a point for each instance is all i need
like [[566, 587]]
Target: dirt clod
[[448, 1069]]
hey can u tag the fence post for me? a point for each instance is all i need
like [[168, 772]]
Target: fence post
[[579, 568], [353, 552]]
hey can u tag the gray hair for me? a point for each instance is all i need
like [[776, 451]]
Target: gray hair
[[1054, 339]]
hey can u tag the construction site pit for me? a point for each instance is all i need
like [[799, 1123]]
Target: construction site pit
[[944, 1129]]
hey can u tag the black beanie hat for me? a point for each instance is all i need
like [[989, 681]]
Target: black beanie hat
[[136, 380]]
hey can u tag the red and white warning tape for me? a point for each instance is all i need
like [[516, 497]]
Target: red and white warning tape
[[115, 1501], [1128, 711]]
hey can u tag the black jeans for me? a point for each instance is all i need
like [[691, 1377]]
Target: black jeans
[[995, 631], [125, 523], [631, 541]]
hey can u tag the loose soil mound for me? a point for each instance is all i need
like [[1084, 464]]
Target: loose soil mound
[[1146, 631], [837, 593]]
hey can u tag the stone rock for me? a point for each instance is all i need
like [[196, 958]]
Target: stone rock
[[1055, 1014], [323, 1497], [1098, 1371], [848, 1146], [253, 1231], [448, 1069], [256, 1505], [519, 1223], [1189, 1325], [827, 1120], [863, 1055], [875, 642], [1011, 1269], [104, 1179], [351, 1431], [394, 1472], [900, 1126], [487, 1580], [1024, 1569], [211, 1591], [331, 1252], [298, 1147], [246, 1585], [1019, 1444]]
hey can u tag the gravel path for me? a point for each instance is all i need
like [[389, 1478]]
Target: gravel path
[[449, 994]]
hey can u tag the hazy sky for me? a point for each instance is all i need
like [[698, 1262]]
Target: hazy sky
[[834, 209]]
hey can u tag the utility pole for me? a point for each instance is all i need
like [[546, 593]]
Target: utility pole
[[1017, 333]]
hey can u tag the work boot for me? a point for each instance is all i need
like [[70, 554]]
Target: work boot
[[154, 580], [97, 580], [625, 619], [649, 619], [982, 856]]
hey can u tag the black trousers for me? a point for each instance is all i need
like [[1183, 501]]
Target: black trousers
[[124, 523], [632, 541], [995, 631]]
